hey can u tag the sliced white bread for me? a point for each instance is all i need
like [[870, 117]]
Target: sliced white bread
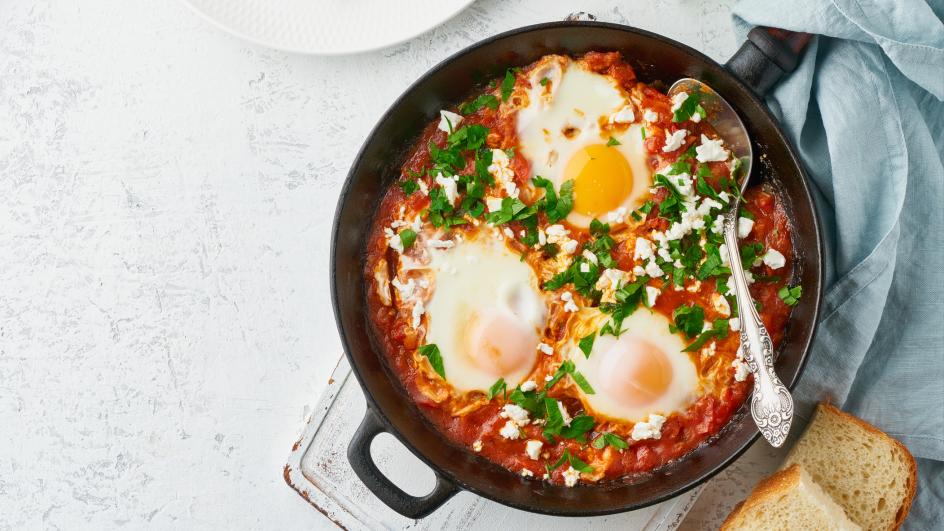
[[871, 475], [789, 500]]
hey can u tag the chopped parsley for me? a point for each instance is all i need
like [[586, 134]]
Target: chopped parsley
[[628, 298], [485, 100], [586, 343], [719, 329], [609, 439], [545, 81], [572, 460], [612, 142], [409, 186], [508, 84], [498, 387], [556, 206], [512, 209], [689, 319], [407, 238], [790, 296], [431, 353], [688, 108]]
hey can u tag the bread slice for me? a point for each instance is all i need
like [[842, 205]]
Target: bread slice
[[871, 475], [789, 500]]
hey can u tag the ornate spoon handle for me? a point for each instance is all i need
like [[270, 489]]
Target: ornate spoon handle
[[771, 403]]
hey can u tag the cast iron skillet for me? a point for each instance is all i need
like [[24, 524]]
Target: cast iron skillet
[[753, 70]]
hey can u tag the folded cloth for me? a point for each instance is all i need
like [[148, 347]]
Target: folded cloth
[[864, 109]]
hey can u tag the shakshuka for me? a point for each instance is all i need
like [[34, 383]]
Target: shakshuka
[[549, 280]]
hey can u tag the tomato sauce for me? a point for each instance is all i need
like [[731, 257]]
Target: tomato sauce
[[682, 431]]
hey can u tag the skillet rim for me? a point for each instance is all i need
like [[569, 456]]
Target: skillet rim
[[374, 407]]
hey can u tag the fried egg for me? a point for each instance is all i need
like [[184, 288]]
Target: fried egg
[[643, 371], [569, 116], [486, 313]]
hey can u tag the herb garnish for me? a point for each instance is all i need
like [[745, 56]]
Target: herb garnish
[[431, 353]]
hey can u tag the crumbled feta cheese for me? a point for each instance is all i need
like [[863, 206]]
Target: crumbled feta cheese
[[424, 188], [556, 233], [508, 233], [735, 324], [545, 348], [592, 258], [744, 227], [450, 187], [774, 259], [678, 100], [569, 305], [525, 473], [502, 172], [694, 286], [516, 414], [639, 271], [741, 370], [542, 238], [653, 269], [650, 116], [651, 429], [393, 240], [720, 304], [718, 226], [664, 254], [674, 141], [417, 313], [724, 197], [584, 267], [529, 386], [571, 476], [623, 116], [710, 150], [440, 244], [723, 251], [616, 216], [477, 446], [643, 250], [569, 246], [405, 289], [730, 282], [449, 121], [494, 204], [533, 449], [707, 205], [564, 413], [683, 183], [651, 295], [510, 431]]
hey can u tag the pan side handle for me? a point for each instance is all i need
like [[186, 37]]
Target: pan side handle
[[358, 454], [766, 56]]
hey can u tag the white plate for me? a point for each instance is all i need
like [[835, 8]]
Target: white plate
[[327, 27]]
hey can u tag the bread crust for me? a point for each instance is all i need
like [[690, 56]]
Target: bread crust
[[770, 487], [829, 409]]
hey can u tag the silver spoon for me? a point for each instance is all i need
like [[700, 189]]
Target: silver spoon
[[771, 404]]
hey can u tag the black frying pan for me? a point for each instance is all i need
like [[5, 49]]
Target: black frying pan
[[754, 69]]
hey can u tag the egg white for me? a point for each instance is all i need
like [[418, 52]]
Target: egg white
[[643, 325], [479, 274], [578, 99]]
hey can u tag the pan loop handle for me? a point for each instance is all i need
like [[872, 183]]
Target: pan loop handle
[[358, 455], [766, 56]]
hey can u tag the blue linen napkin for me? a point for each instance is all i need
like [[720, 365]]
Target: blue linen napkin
[[865, 111]]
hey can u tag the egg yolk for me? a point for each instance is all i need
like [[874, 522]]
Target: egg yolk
[[602, 179], [634, 371], [498, 344]]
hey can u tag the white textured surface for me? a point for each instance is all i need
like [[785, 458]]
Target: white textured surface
[[166, 193], [328, 26]]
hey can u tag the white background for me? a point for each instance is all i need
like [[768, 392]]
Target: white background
[[166, 195]]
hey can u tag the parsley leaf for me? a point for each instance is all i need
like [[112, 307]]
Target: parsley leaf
[[612, 142], [407, 238], [628, 298], [469, 137], [586, 343], [573, 461], [431, 353], [689, 319], [609, 439], [688, 108], [409, 186], [485, 100], [508, 85], [512, 210], [582, 383], [719, 329], [498, 387], [556, 206], [790, 296], [529, 400]]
